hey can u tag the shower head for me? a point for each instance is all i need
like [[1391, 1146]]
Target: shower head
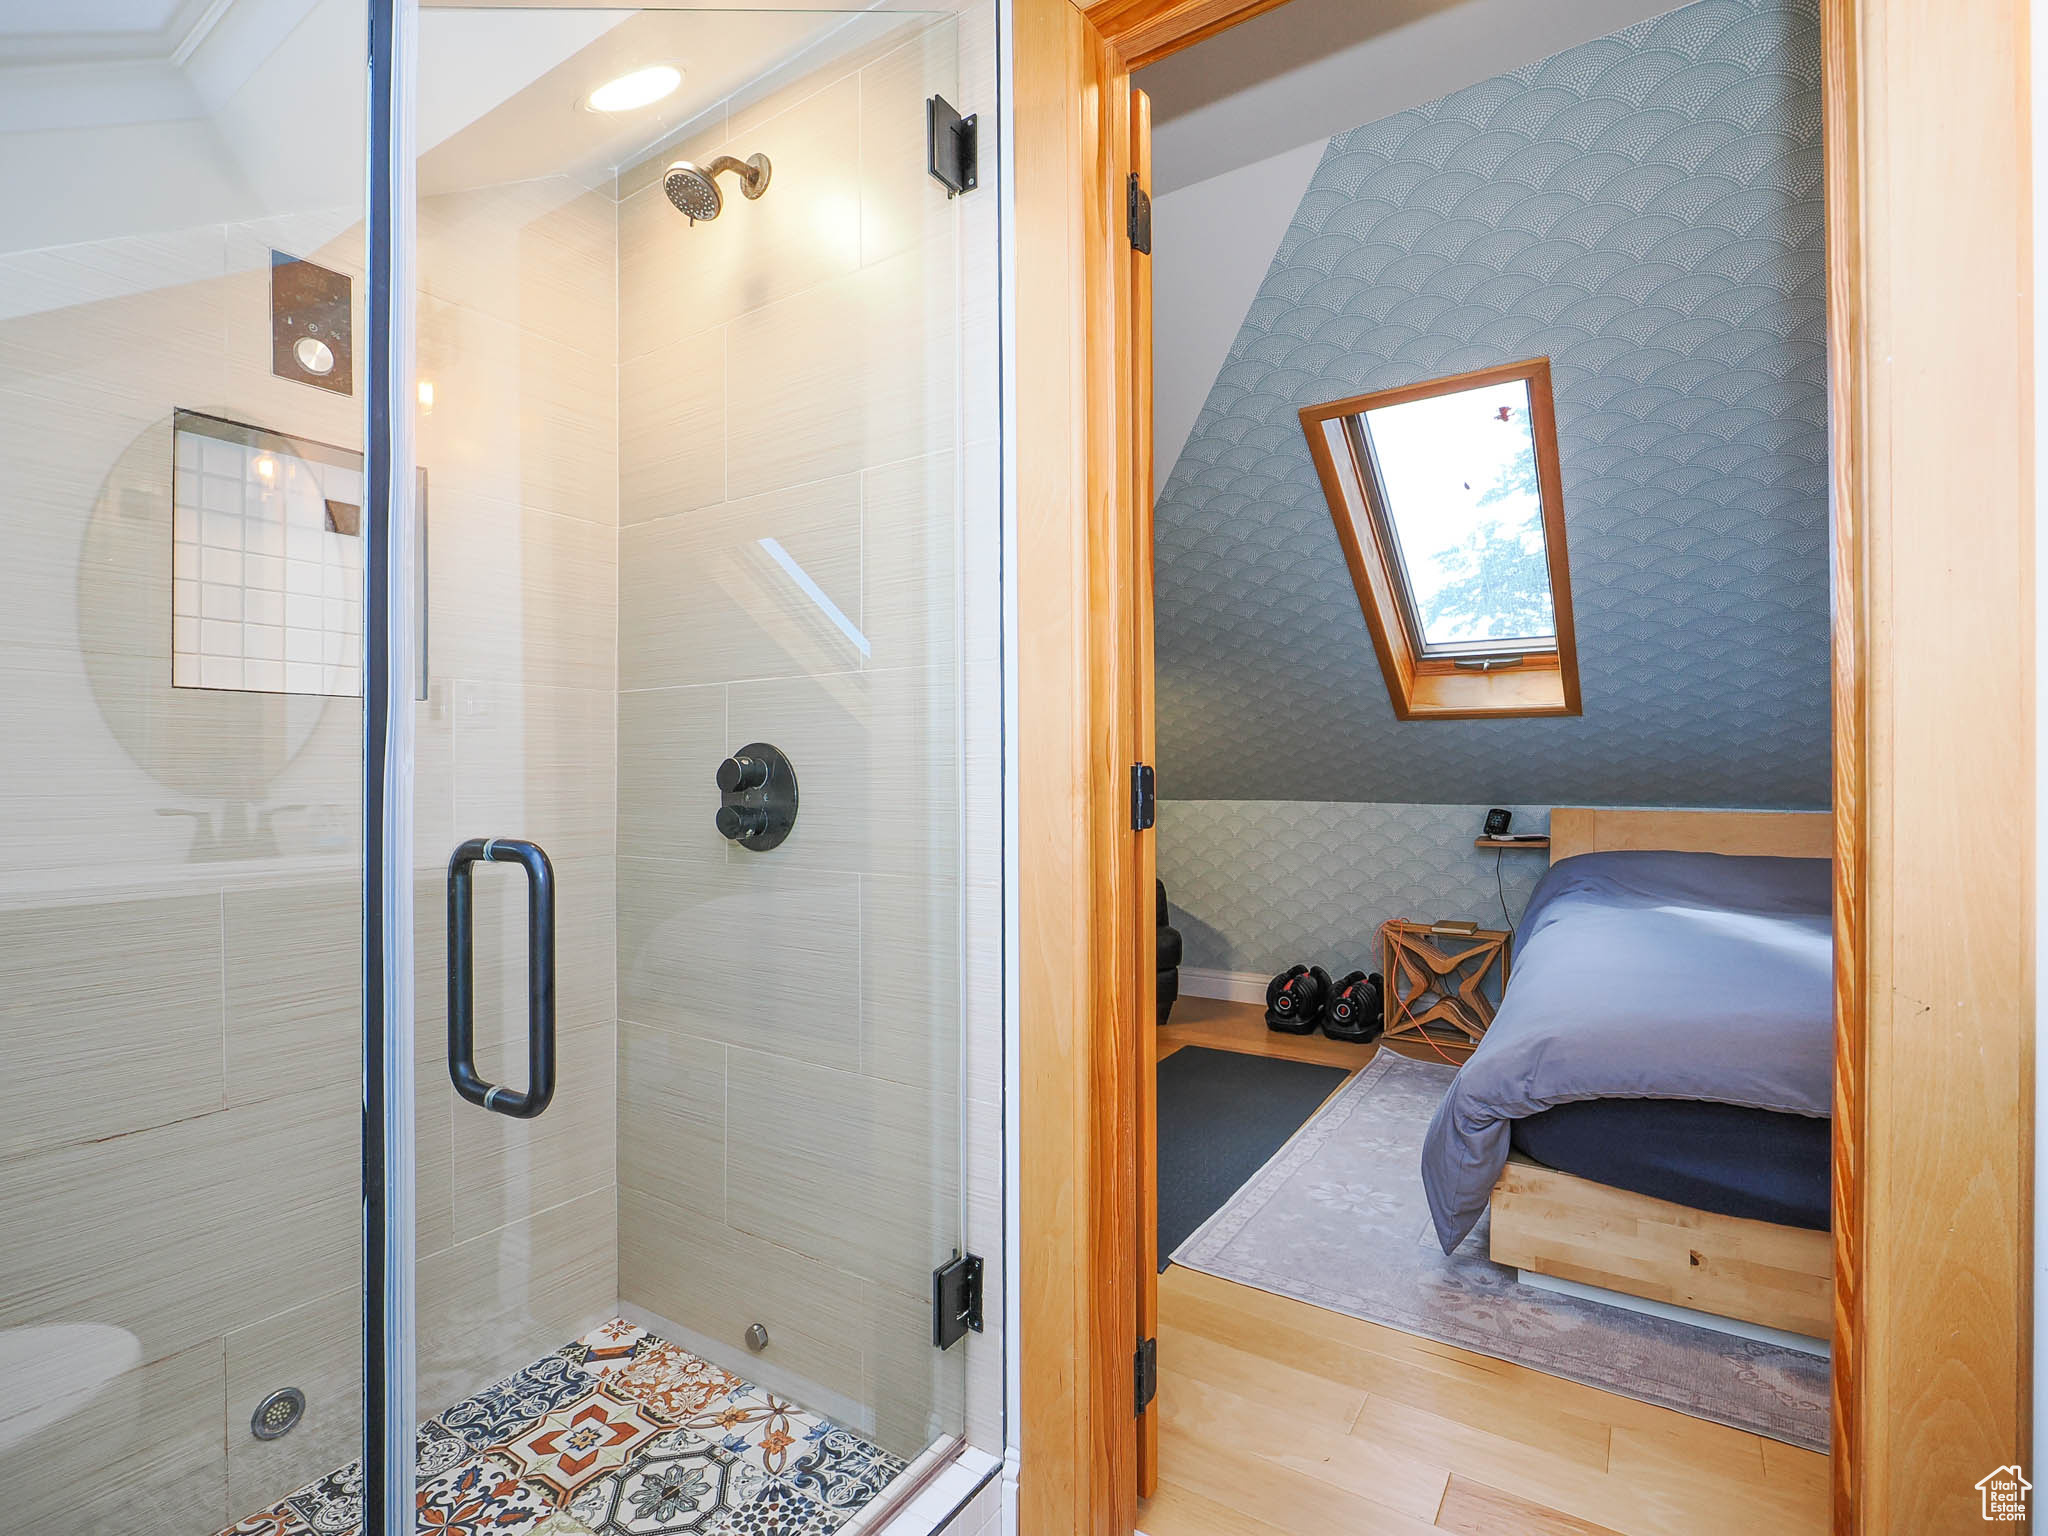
[[694, 190]]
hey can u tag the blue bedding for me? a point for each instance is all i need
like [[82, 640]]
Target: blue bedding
[[1645, 976]]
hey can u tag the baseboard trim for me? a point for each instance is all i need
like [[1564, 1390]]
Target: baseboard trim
[[1231, 986]]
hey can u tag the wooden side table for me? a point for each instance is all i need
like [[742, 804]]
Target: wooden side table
[[1440, 978]]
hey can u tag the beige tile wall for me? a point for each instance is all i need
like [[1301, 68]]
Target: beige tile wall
[[790, 1084], [179, 1128]]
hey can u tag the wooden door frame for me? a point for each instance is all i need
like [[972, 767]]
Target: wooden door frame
[[1931, 460], [1932, 481]]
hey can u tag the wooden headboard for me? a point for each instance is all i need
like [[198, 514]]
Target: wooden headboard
[[1783, 834]]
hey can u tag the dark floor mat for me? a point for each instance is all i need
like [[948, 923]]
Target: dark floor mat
[[1222, 1114]]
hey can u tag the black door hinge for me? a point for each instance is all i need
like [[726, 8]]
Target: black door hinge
[[1147, 1372], [952, 147], [1144, 796], [1140, 217], [956, 1300]]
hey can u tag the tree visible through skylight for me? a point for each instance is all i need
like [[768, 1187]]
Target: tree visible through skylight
[[1459, 475]]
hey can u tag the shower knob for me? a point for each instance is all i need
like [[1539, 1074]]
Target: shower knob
[[757, 797], [738, 774], [740, 822]]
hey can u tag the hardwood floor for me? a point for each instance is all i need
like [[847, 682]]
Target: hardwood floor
[[1281, 1419]]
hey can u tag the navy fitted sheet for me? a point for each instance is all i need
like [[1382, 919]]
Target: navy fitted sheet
[[1727, 1158]]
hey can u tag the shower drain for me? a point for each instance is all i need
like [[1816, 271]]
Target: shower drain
[[278, 1414]]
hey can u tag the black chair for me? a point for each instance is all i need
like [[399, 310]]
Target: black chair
[[1169, 959]]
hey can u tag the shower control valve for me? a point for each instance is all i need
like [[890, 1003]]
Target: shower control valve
[[741, 822], [737, 774], [757, 797]]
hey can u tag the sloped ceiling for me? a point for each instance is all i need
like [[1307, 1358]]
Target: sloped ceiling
[[1646, 211], [137, 117], [1299, 74], [1211, 245]]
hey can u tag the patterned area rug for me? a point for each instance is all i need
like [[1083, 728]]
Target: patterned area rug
[[618, 1434], [1338, 1219]]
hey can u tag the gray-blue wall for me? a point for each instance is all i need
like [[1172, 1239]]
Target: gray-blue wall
[[1646, 212], [1258, 885]]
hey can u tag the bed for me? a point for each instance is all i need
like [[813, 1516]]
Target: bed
[[1648, 1113]]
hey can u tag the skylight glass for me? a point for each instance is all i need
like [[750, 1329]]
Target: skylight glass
[[1458, 490]]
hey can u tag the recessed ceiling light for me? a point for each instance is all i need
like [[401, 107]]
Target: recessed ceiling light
[[642, 88]]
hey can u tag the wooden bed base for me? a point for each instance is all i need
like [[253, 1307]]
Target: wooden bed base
[[1558, 1224]]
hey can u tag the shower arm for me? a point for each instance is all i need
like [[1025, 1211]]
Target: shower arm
[[749, 174]]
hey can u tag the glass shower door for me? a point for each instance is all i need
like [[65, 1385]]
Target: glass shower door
[[181, 482], [702, 409]]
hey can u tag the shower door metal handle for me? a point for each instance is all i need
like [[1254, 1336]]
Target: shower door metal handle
[[540, 978]]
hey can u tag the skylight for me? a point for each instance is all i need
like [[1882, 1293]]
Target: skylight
[[1458, 477], [1446, 499]]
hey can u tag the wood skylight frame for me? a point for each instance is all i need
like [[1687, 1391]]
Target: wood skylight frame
[[1462, 682]]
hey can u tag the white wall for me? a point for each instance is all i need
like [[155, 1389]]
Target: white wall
[[1211, 245]]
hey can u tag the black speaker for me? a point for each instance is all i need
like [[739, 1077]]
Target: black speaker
[[1497, 822], [1356, 1010], [1295, 999]]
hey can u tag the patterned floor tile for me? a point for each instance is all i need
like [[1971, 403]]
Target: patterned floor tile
[[672, 1381], [334, 1505], [754, 1426], [637, 1436], [775, 1512], [504, 1408], [280, 1521], [580, 1440], [679, 1483], [485, 1496], [608, 1348], [838, 1470]]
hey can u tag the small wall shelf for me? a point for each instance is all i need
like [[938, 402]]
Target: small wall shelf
[[1512, 842]]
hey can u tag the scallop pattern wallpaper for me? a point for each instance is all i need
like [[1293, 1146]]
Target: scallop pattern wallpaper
[[1645, 211]]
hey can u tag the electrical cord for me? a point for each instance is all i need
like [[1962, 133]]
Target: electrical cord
[[1500, 885]]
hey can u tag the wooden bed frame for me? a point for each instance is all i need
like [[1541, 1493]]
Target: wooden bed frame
[[1575, 1229]]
